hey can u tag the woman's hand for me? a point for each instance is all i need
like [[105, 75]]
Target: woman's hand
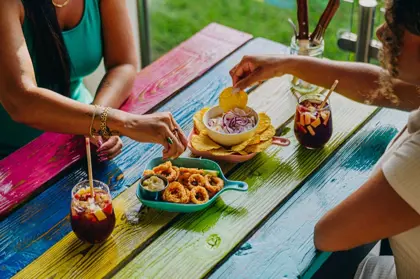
[[253, 69], [160, 128], [108, 149]]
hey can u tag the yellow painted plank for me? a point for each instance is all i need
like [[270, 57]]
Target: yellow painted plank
[[197, 242], [70, 258]]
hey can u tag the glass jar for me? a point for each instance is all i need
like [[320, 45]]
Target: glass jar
[[313, 125], [92, 217], [310, 50]]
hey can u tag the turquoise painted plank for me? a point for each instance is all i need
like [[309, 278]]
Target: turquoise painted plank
[[283, 246], [34, 228]]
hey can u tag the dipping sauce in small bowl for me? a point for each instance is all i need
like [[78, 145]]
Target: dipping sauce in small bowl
[[152, 186]]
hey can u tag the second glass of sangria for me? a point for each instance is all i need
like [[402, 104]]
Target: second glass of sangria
[[313, 122], [92, 217]]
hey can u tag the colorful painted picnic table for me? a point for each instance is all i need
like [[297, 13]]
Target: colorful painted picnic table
[[266, 232]]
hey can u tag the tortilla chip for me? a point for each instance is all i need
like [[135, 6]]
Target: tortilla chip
[[258, 147], [269, 133], [203, 143], [264, 122], [198, 121], [243, 153], [255, 140], [242, 145], [229, 99], [221, 152]]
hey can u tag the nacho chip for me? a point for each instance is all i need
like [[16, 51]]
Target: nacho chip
[[258, 147], [243, 153], [264, 122], [242, 145], [229, 99], [221, 152], [255, 140], [269, 133], [198, 121], [203, 143]]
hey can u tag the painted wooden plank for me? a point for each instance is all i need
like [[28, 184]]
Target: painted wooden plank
[[29, 168], [198, 242], [27, 233], [64, 258], [283, 246]]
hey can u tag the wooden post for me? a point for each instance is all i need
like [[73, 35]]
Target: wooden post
[[144, 30]]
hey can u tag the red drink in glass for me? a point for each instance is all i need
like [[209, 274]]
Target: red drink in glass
[[313, 124], [92, 218]]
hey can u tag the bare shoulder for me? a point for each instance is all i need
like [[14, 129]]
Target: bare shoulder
[[13, 8]]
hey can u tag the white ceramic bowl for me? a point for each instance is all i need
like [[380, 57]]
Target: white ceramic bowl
[[228, 139]]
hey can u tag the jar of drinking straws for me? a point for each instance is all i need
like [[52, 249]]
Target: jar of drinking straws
[[309, 49]]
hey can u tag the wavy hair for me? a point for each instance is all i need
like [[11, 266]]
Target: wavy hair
[[400, 16]]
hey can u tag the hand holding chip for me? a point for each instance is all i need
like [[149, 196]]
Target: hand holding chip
[[254, 69]]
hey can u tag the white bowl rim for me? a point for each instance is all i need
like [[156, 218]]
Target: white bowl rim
[[254, 128]]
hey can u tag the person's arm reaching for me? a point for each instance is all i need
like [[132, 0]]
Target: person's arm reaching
[[358, 81], [119, 55], [46, 110]]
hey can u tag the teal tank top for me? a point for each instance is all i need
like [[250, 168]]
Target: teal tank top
[[84, 45]]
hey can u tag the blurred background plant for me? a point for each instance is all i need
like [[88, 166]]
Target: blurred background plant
[[173, 21]]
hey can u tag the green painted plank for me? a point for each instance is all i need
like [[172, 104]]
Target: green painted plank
[[283, 246], [196, 243], [70, 257]]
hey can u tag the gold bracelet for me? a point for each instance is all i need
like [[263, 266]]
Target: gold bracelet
[[105, 132], [92, 130]]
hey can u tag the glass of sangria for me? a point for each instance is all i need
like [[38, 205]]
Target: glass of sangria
[[92, 218], [313, 123]]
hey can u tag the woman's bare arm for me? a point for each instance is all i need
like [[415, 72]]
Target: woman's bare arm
[[23, 99], [358, 81], [373, 212], [119, 55]]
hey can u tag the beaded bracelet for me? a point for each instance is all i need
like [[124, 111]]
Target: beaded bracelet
[[104, 130]]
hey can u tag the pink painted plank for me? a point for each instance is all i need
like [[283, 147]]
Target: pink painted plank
[[28, 169]]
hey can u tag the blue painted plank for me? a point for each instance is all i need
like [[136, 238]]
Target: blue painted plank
[[283, 246], [42, 222]]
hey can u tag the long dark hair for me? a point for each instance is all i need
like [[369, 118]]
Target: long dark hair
[[400, 16], [52, 61]]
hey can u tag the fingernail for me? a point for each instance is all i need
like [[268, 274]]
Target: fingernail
[[102, 154], [100, 142]]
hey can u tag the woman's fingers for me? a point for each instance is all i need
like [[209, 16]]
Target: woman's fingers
[[245, 68], [110, 149], [255, 76], [175, 148], [179, 133], [115, 149]]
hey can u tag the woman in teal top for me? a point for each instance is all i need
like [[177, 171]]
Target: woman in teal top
[[48, 47]]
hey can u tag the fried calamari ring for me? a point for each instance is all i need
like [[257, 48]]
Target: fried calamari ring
[[196, 180], [170, 174], [188, 194], [175, 193], [191, 170], [148, 172], [177, 172], [162, 167], [183, 178], [199, 195], [213, 184]]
